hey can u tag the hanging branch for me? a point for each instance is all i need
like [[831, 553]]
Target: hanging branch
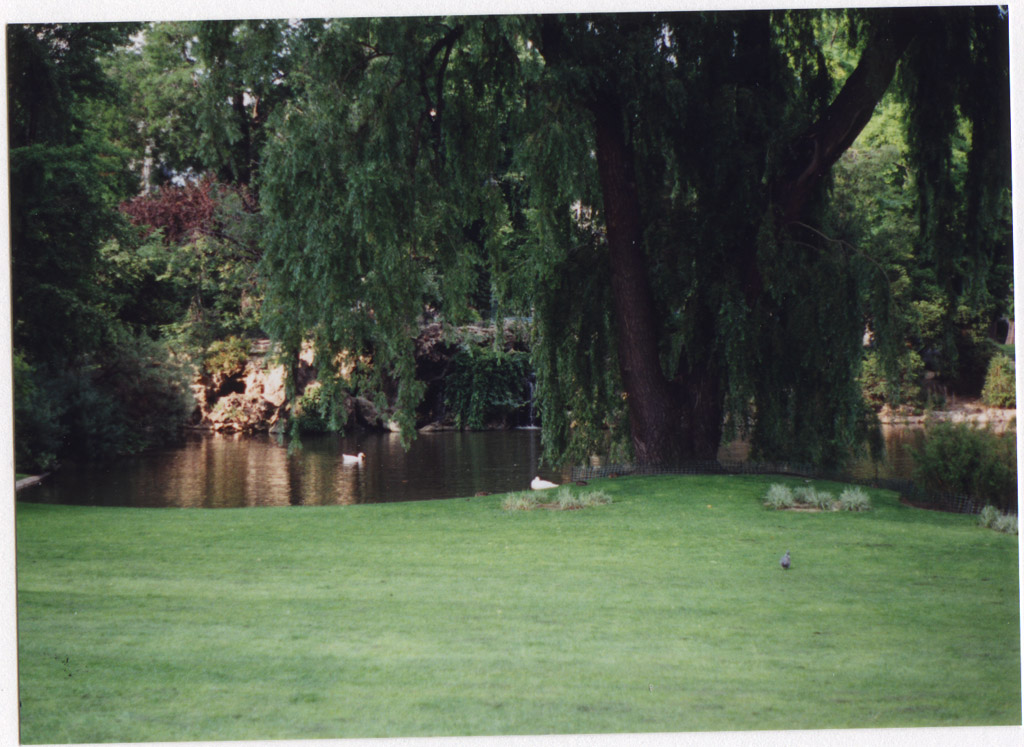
[[821, 145]]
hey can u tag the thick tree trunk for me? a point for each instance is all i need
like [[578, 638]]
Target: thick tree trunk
[[821, 145], [669, 420]]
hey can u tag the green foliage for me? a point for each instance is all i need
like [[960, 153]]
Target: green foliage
[[90, 379], [961, 459], [1000, 388], [904, 388], [226, 357], [413, 168], [310, 413], [202, 255], [37, 430], [484, 385]]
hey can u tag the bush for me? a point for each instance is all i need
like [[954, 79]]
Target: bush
[[960, 459], [854, 499], [309, 410], [1000, 388], [138, 398], [779, 496], [37, 427], [905, 388], [485, 385], [227, 357]]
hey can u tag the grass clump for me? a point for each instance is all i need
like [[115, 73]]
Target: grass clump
[[811, 497], [566, 499], [854, 499], [779, 496], [991, 518], [520, 502]]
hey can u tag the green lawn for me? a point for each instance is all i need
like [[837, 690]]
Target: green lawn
[[663, 611]]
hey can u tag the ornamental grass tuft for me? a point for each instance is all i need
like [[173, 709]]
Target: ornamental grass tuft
[[779, 496], [854, 499], [991, 518], [520, 502], [566, 499], [814, 498]]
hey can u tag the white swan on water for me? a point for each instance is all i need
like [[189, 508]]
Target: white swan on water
[[349, 459], [538, 484]]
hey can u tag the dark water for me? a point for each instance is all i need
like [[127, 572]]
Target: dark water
[[219, 471], [226, 471]]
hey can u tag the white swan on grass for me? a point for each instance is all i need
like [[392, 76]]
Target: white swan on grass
[[349, 459], [538, 484]]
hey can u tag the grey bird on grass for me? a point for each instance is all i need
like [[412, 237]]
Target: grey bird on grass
[[785, 561]]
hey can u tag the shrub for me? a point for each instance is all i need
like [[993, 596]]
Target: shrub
[[901, 387], [37, 428], [1000, 388], [854, 499], [227, 357], [960, 459], [779, 496], [309, 410]]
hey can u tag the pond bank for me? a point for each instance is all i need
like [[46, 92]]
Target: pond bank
[[28, 482], [967, 411]]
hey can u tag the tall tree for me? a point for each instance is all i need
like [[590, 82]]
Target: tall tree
[[84, 378], [653, 185]]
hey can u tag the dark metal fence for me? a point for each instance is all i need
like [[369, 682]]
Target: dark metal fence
[[908, 489]]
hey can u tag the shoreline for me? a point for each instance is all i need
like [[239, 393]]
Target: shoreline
[[28, 482], [972, 411]]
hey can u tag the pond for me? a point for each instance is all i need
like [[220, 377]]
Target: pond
[[230, 471]]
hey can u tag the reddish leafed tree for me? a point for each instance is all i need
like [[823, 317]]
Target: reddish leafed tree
[[184, 211]]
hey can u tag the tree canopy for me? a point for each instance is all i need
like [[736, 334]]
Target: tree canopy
[[653, 188], [700, 213]]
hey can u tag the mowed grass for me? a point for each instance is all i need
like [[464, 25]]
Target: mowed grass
[[665, 610]]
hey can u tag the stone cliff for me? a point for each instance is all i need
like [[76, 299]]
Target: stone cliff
[[251, 396]]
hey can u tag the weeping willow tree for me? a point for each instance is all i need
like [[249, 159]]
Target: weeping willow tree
[[651, 188]]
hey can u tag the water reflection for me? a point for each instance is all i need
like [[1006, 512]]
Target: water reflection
[[218, 471]]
